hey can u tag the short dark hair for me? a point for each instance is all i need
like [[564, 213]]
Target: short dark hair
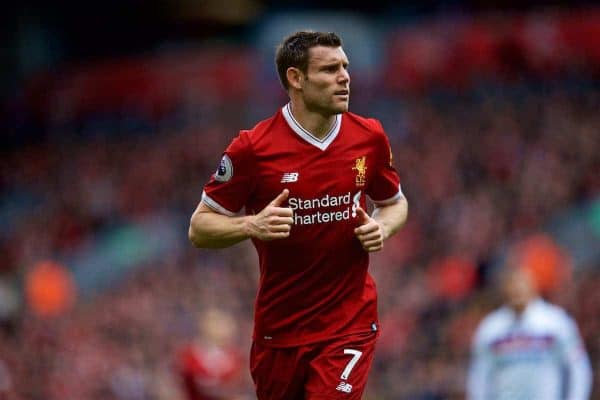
[[293, 51]]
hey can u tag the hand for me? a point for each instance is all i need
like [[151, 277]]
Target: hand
[[274, 221], [369, 232]]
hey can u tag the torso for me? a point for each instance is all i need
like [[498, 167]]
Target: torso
[[314, 284]]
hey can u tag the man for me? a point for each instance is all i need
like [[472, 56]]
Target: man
[[210, 367], [528, 349], [303, 176]]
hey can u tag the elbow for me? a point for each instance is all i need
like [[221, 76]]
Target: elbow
[[402, 210], [194, 237], [200, 238], [200, 241], [195, 234]]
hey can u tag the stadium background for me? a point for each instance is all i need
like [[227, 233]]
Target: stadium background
[[114, 116]]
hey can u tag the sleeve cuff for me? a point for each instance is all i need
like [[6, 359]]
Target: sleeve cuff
[[216, 206], [391, 200]]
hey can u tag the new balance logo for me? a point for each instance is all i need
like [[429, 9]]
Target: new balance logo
[[344, 387], [289, 177]]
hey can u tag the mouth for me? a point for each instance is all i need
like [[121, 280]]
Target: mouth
[[344, 92]]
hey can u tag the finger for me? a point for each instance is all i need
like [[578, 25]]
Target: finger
[[277, 235], [363, 217], [280, 228], [369, 236], [372, 243], [281, 211], [281, 221], [361, 230], [373, 248], [281, 198]]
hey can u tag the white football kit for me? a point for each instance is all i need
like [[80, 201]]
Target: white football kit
[[537, 355]]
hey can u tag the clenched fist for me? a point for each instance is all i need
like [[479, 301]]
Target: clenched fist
[[274, 221], [369, 232]]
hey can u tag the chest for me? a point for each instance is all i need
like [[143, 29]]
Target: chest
[[516, 344], [316, 178]]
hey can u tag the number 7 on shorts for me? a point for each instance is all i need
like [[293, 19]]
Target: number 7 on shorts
[[355, 356]]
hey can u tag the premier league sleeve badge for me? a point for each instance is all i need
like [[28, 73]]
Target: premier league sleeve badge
[[225, 170]]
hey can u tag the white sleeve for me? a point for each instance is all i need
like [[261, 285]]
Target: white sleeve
[[577, 363], [480, 368]]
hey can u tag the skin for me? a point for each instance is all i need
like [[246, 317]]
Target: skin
[[322, 92], [316, 97], [518, 289]]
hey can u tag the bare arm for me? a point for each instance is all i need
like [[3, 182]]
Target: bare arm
[[385, 221], [209, 229]]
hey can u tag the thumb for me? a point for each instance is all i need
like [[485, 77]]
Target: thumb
[[363, 217], [280, 198]]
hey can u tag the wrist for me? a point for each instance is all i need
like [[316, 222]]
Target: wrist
[[385, 230], [248, 226]]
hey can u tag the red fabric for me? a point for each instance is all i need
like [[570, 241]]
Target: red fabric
[[208, 372], [314, 371], [314, 285]]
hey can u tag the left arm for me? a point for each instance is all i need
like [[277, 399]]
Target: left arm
[[578, 364], [390, 212], [385, 221]]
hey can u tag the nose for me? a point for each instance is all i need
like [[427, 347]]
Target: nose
[[344, 76]]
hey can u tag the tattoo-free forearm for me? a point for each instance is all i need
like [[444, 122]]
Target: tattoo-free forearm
[[391, 217], [209, 229]]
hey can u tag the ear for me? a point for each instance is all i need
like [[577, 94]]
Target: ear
[[294, 77]]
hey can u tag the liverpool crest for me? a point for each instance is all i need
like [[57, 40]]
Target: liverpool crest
[[360, 166]]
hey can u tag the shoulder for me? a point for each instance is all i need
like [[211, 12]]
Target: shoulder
[[370, 128], [551, 315], [368, 125], [493, 325]]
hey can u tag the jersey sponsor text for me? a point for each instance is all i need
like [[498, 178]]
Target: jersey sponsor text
[[326, 201]]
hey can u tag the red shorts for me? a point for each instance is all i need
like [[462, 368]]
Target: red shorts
[[335, 369]]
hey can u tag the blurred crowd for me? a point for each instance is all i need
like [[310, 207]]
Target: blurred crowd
[[482, 168]]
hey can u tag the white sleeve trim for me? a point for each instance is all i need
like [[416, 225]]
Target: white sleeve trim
[[216, 206], [391, 200]]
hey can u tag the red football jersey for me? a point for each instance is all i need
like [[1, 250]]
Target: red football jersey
[[314, 284], [209, 372]]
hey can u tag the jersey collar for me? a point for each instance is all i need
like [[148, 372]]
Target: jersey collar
[[306, 135]]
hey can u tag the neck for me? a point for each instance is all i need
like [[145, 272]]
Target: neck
[[316, 123], [520, 307]]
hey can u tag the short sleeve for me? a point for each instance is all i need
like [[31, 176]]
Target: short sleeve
[[385, 186], [232, 183]]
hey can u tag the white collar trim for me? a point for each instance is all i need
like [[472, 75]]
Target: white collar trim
[[306, 135]]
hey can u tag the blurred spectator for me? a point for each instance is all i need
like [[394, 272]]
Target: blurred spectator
[[5, 380], [490, 165], [9, 305], [49, 289], [528, 349], [211, 367]]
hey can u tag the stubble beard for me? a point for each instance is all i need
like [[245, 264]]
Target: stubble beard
[[330, 108]]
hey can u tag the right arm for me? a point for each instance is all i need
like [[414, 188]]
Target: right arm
[[480, 368], [210, 229]]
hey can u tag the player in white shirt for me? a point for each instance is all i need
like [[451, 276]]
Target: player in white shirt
[[528, 349]]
